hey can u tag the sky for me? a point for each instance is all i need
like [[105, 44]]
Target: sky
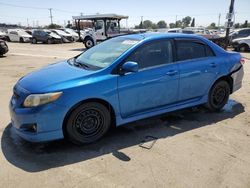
[[35, 12]]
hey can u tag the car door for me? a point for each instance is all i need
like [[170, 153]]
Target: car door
[[13, 36], [198, 68], [155, 85]]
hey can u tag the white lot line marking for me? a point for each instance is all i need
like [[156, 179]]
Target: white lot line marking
[[32, 55]]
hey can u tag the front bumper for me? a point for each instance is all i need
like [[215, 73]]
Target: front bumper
[[26, 39], [48, 120]]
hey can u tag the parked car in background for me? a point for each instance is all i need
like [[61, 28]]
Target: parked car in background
[[65, 36], [179, 30], [174, 30], [3, 35], [202, 31], [239, 33], [241, 44], [45, 36], [122, 80], [18, 35], [72, 33], [3, 47]]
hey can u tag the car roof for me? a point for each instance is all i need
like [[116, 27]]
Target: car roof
[[154, 35]]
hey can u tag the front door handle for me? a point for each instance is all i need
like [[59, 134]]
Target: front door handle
[[171, 72], [213, 65]]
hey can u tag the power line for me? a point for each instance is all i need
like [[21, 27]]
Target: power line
[[20, 6]]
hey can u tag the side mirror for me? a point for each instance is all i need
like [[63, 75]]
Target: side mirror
[[129, 66]]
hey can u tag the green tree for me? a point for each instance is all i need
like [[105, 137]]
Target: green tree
[[53, 26], [237, 25], [178, 23], [186, 21], [245, 24], [147, 24], [212, 26], [162, 24], [172, 25]]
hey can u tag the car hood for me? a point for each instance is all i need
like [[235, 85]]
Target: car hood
[[66, 35], [53, 77], [55, 35], [26, 36], [245, 38]]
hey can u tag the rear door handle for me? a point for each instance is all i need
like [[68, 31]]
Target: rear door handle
[[171, 72], [213, 65]]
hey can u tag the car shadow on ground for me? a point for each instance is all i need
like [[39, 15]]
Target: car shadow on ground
[[32, 157], [3, 56]]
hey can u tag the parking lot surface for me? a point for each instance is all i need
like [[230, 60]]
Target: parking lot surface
[[188, 148]]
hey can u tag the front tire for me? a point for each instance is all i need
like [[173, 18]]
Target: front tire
[[243, 48], [218, 96], [21, 40], [89, 43], [88, 123], [34, 41]]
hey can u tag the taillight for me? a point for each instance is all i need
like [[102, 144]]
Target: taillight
[[242, 61]]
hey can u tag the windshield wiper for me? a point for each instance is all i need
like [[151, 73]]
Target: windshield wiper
[[78, 64]]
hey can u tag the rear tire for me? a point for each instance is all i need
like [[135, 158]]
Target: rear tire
[[218, 96], [88, 123], [49, 41]]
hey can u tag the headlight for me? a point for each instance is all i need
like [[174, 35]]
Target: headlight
[[39, 99]]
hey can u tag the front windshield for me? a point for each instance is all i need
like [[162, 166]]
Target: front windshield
[[60, 32], [21, 32], [107, 52]]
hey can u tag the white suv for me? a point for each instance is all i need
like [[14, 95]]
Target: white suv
[[18, 35], [241, 44]]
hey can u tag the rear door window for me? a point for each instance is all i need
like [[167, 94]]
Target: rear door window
[[188, 49]]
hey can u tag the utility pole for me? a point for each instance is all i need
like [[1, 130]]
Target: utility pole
[[231, 9], [219, 20], [141, 19], [176, 21], [28, 22], [50, 12]]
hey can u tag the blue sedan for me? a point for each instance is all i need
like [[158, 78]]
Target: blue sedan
[[122, 80]]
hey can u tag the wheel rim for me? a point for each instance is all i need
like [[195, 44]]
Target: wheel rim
[[34, 40], [89, 43], [242, 48], [219, 96], [88, 123]]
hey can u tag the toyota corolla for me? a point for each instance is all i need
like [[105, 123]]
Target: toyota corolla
[[122, 80]]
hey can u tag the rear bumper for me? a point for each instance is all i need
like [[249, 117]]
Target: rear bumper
[[237, 78]]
